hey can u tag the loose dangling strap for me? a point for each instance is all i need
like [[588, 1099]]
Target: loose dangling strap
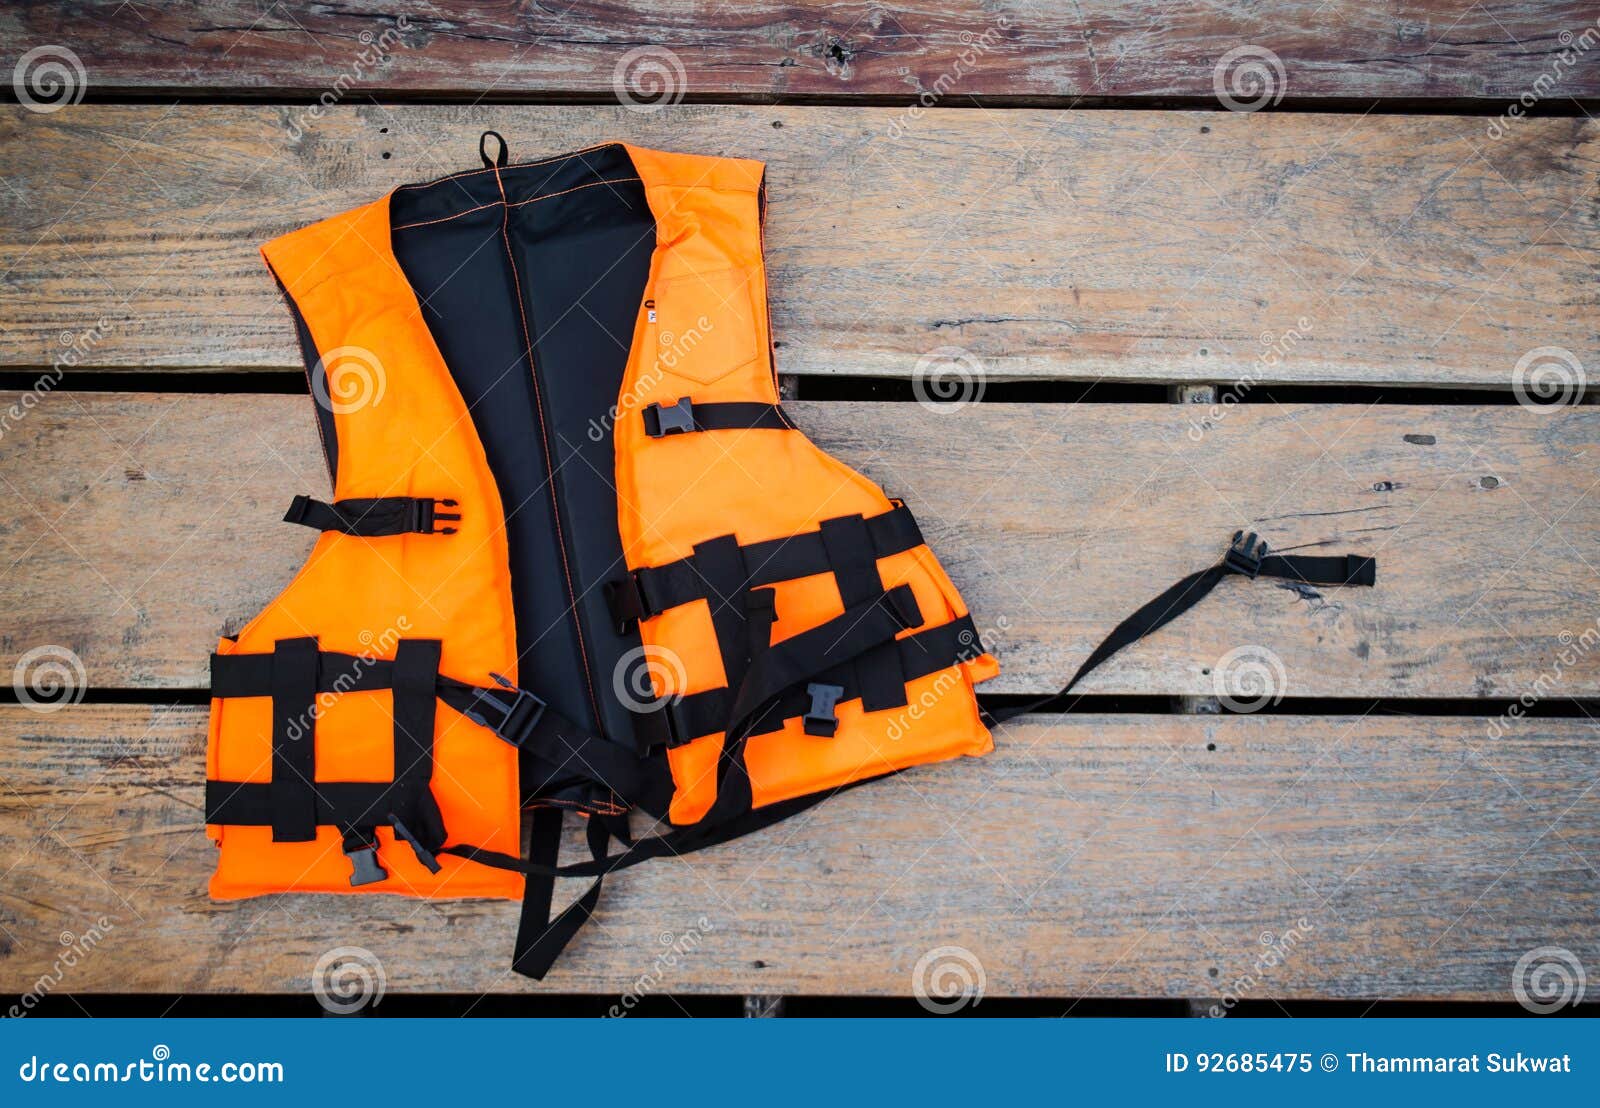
[[1246, 557]]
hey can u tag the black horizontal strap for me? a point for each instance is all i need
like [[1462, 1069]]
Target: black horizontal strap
[[771, 561], [682, 416], [921, 654], [375, 517], [337, 803], [1317, 569], [569, 753], [251, 674]]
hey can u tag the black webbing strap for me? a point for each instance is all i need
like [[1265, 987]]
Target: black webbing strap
[[1246, 557], [294, 761], [855, 568], [375, 517], [416, 816], [685, 416], [926, 652], [648, 592], [515, 715]]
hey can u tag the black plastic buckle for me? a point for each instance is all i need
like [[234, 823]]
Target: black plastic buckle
[[363, 855], [424, 513], [1245, 555], [821, 720], [625, 597], [513, 722], [674, 419], [424, 855]]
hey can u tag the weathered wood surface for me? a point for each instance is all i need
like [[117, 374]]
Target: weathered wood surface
[[957, 49], [146, 525], [1090, 245], [1088, 856]]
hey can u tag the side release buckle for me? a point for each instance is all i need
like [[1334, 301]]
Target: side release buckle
[[821, 720], [424, 512], [1245, 555], [676, 418], [362, 850], [513, 722]]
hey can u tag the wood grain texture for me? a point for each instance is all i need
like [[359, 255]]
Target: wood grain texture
[[1088, 856], [147, 525], [1163, 246], [959, 49]]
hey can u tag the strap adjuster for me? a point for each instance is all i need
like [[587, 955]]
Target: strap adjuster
[[297, 508], [424, 512], [1245, 555], [676, 418], [821, 720], [625, 597], [514, 722]]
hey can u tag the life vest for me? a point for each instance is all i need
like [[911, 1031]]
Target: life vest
[[577, 559]]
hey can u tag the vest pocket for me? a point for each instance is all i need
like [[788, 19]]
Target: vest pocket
[[705, 325]]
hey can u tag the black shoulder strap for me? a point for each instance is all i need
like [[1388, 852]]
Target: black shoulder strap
[[1246, 557]]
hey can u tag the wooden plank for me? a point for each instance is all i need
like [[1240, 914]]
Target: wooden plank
[[1088, 856], [146, 525], [957, 49], [1091, 245]]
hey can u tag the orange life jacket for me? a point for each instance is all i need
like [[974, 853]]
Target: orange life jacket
[[577, 557]]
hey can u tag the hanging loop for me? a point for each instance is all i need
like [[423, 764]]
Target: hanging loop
[[499, 160]]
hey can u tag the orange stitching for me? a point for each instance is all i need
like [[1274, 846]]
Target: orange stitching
[[544, 436], [518, 204], [519, 165], [574, 188], [444, 219]]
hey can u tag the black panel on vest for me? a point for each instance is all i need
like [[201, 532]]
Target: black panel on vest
[[558, 262]]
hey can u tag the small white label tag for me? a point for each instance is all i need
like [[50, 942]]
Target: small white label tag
[[652, 315]]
